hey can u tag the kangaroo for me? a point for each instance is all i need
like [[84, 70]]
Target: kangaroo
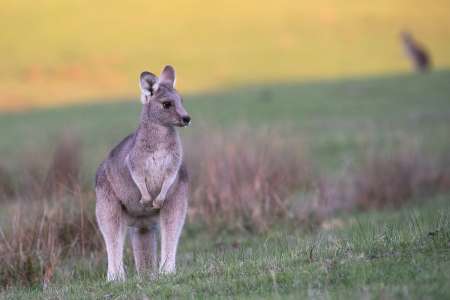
[[142, 186], [416, 53]]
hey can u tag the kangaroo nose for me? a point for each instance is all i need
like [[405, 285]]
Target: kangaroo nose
[[186, 120]]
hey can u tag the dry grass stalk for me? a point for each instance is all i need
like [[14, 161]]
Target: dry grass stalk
[[239, 181], [243, 181]]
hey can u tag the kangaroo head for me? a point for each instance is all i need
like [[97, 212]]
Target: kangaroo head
[[162, 103], [406, 36]]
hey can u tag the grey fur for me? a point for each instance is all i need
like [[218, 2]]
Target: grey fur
[[143, 184]]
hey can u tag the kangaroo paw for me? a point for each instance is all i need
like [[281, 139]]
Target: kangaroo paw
[[158, 202], [146, 201]]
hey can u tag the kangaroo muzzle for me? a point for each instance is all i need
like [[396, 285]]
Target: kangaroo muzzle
[[186, 120]]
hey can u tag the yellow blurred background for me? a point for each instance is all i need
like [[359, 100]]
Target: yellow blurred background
[[58, 52]]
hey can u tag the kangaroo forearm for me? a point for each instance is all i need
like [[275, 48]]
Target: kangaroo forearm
[[167, 184], [138, 176], [141, 184]]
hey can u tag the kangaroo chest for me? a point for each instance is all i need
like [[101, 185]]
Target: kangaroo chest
[[157, 165]]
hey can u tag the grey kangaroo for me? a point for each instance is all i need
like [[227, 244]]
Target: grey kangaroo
[[142, 186], [419, 57]]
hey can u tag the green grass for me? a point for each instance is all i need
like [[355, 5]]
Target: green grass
[[334, 119], [391, 254], [74, 50], [403, 255]]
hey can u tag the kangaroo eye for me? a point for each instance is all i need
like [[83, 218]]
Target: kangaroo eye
[[167, 104]]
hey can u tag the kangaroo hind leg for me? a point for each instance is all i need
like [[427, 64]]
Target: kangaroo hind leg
[[145, 243], [112, 225]]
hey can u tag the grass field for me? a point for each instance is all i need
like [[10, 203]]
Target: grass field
[[390, 255], [58, 52], [333, 119], [387, 254]]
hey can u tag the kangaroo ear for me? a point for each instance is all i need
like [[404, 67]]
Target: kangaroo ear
[[149, 84], [168, 76]]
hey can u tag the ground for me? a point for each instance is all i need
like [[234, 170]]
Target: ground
[[403, 254], [333, 118], [393, 253]]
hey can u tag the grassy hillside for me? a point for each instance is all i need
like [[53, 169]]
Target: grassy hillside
[[54, 52], [347, 245], [333, 119]]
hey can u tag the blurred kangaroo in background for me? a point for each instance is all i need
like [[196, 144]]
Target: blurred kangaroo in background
[[416, 53], [142, 186]]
